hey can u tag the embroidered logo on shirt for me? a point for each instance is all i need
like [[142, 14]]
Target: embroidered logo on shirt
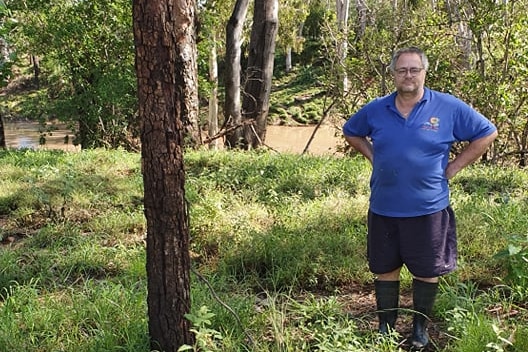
[[432, 125]]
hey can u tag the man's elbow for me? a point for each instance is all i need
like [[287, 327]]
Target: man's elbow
[[491, 137], [494, 135]]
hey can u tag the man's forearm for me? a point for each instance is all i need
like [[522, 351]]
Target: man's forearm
[[471, 153], [362, 145]]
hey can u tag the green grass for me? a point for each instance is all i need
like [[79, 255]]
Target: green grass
[[278, 237], [298, 97]]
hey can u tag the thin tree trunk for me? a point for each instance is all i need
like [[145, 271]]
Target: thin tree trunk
[[255, 104], [232, 108], [3, 144], [164, 36], [289, 59], [213, 98], [35, 60], [342, 45], [361, 25]]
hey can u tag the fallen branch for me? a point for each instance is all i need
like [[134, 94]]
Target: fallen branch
[[225, 131]]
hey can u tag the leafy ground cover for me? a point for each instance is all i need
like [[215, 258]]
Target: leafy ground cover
[[280, 239]]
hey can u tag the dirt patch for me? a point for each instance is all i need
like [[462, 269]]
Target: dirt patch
[[10, 237]]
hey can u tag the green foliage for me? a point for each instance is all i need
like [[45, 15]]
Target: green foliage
[[291, 18], [205, 337], [479, 335], [476, 52], [287, 258], [88, 59], [515, 257], [464, 308], [96, 318], [7, 57], [323, 322], [318, 15], [212, 16], [278, 237]]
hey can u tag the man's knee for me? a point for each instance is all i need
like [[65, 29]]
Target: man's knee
[[390, 276]]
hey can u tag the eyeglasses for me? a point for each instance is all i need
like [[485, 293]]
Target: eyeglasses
[[414, 71]]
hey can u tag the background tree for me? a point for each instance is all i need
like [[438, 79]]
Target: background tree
[[213, 18], [234, 40], [496, 80], [292, 14], [342, 8], [259, 72], [165, 41], [6, 53], [6, 59]]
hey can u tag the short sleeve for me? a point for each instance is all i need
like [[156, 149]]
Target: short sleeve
[[470, 124]]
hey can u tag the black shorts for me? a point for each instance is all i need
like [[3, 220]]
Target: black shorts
[[427, 244]]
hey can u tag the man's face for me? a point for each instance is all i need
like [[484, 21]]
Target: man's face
[[409, 73]]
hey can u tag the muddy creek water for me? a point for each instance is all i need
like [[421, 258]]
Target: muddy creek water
[[291, 139], [21, 135]]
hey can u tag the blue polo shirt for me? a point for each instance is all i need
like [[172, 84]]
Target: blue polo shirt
[[410, 155]]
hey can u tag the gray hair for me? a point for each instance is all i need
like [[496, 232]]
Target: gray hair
[[409, 50]]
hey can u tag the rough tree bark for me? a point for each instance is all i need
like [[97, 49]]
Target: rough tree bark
[[165, 41], [257, 90]]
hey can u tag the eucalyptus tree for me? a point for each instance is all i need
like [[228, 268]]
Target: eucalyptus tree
[[165, 42], [342, 10], [292, 15], [233, 56], [258, 76]]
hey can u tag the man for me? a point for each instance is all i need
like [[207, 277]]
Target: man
[[407, 136]]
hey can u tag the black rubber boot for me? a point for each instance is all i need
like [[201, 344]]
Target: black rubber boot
[[387, 299], [424, 295]]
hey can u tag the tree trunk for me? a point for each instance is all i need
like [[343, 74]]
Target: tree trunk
[[361, 25], [257, 90], [35, 60], [3, 144], [289, 66], [342, 45], [165, 42], [232, 109], [213, 98], [464, 38]]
